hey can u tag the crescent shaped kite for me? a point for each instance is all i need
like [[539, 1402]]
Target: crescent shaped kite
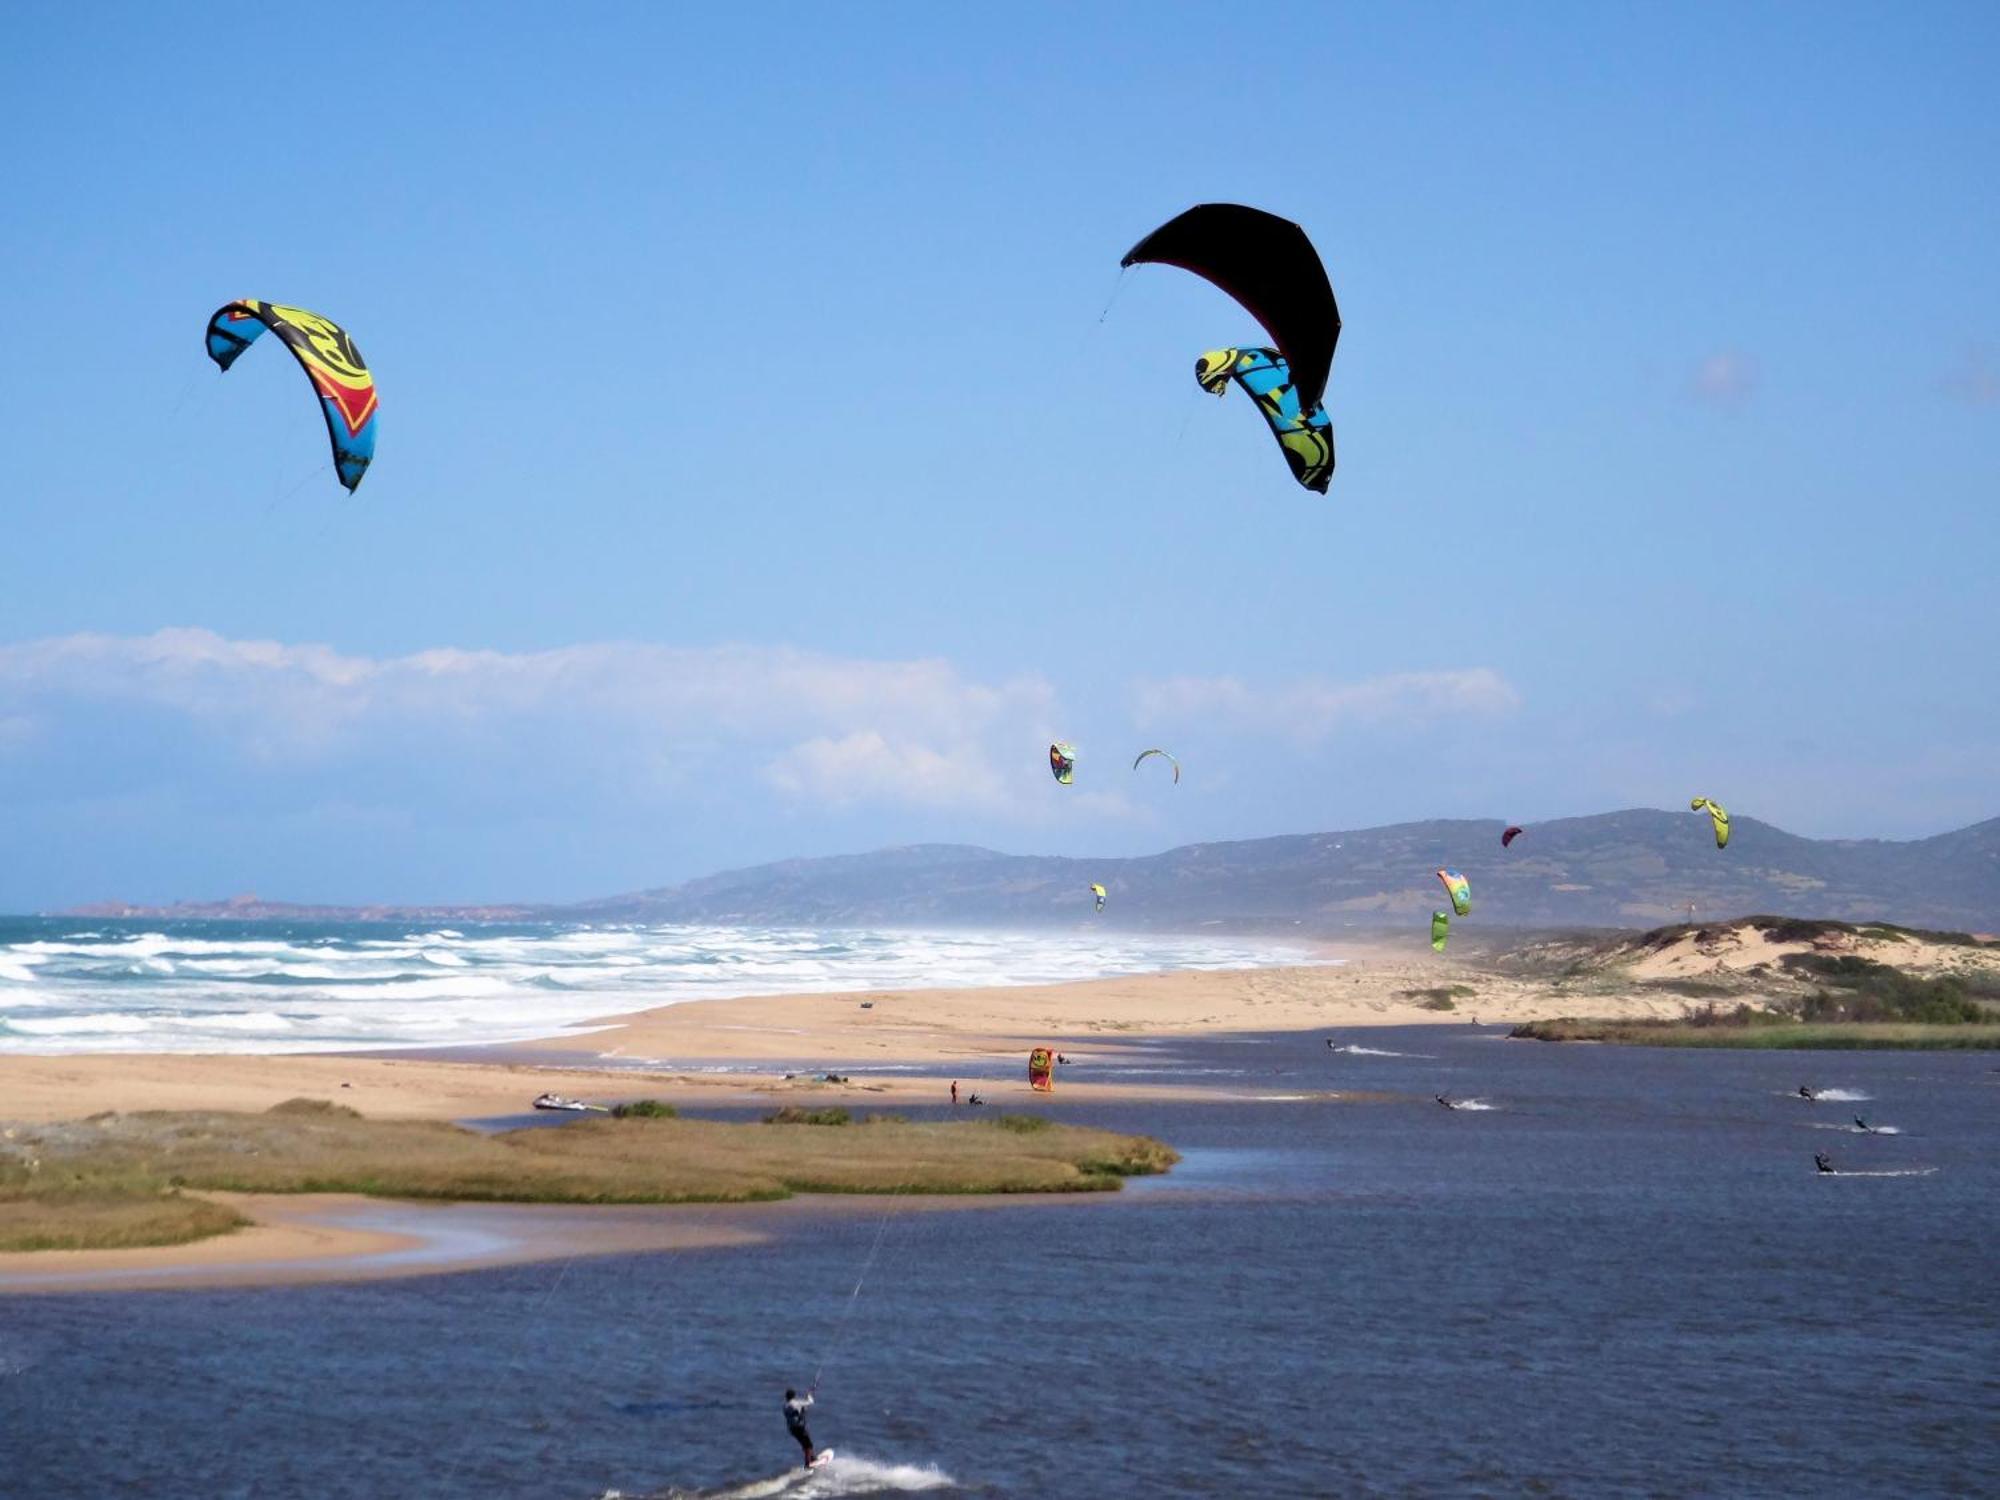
[[1716, 815], [326, 352]]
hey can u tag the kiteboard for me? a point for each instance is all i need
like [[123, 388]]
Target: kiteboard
[[821, 1459]]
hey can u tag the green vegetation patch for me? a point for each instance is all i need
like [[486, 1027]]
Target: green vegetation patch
[[1810, 929], [1768, 1030], [323, 1108], [118, 1179], [791, 1114], [644, 1109], [71, 1218], [1864, 990]]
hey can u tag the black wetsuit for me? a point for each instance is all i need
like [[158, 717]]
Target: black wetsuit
[[795, 1424], [1820, 1160]]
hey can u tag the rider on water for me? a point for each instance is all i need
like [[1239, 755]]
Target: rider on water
[[795, 1421], [1822, 1161], [1805, 1092]]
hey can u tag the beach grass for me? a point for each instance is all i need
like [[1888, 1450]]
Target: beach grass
[[122, 1179], [1776, 1033], [110, 1218]]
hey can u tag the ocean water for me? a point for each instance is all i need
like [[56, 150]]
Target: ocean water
[[69, 985], [1623, 1278]]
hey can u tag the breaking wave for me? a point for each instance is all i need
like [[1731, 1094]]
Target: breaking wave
[[304, 987]]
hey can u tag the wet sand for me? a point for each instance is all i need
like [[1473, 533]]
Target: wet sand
[[311, 1237]]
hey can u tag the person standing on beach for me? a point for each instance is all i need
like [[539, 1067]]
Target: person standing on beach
[[954, 1093], [795, 1421]]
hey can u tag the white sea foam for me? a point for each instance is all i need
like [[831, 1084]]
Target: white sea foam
[[1902, 1172], [1353, 1051], [202, 987]]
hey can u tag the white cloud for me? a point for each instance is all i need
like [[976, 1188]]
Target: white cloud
[[1727, 379], [823, 725], [1313, 708], [866, 767]]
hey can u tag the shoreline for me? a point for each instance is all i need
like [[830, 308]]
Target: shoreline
[[740, 1049], [747, 1052], [303, 1239]]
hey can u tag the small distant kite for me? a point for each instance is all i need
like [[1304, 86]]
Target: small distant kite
[[1304, 434], [1164, 755], [1460, 891], [1098, 891], [1513, 832], [1440, 930], [1062, 762], [1717, 816], [326, 352]]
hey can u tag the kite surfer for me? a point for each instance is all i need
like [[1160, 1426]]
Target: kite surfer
[[1444, 1101], [1864, 1126], [1806, 1093], [795, 1422], [1822, 1161]]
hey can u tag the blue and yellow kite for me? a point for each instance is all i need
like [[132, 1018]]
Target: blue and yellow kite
[[1305, 436], [327, 354]]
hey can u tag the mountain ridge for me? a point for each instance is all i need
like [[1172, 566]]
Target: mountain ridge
[[1637, 867]]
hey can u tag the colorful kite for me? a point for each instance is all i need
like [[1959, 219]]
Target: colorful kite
[[1267, 264], [1167, 756], [1717, 816], [328, 356], [1306, 437], [1440, 930], [1062, 762], [1461, 892]]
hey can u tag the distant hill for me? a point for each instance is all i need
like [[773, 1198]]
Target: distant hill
[[1625, 869], [257, 909]]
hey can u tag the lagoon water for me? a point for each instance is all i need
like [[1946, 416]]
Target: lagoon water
[[97, 985], [1624, 1277]]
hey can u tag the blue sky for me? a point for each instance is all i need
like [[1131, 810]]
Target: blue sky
[[757, 476]]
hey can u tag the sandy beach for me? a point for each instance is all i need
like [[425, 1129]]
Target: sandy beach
[[978, 1035]]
